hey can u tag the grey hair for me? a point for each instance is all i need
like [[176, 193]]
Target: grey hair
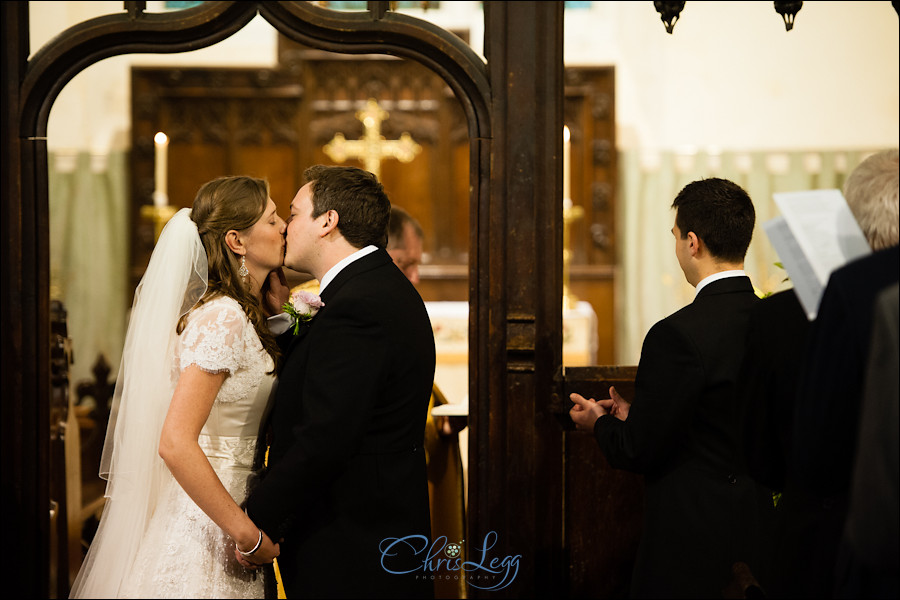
[[871, 191]]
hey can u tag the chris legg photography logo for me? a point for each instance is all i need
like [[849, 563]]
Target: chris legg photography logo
[[485, 570]]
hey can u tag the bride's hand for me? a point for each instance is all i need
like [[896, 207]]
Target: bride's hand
[[265, 554]]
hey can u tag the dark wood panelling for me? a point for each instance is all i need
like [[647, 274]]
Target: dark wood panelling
[[219, 122], [273, 122], [603, 506]]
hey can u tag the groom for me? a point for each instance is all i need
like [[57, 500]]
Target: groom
[[346, 487]]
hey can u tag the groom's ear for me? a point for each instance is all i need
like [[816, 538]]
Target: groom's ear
[[330, 220]]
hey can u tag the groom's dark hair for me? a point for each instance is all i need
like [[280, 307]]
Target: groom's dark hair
[[358, 198]]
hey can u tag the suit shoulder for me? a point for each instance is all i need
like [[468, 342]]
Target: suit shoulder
[[374, 297], [669, 331], [709, 316]]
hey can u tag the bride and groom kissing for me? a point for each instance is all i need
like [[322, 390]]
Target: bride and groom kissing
[[189, 513]]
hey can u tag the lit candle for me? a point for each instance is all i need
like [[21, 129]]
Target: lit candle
[[160, 195], [567, 167]]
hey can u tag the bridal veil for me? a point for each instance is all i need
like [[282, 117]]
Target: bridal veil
[[175, 279]]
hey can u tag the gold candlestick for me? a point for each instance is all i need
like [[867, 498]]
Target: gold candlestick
[[570, 213]]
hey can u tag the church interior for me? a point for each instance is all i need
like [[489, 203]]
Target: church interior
[[539, 145]]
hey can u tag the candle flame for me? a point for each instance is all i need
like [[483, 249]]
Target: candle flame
[[160, 138]]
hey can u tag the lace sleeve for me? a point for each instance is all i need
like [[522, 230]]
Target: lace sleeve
[[213, 338]]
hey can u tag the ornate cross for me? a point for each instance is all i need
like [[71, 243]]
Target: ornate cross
[[372, 148]]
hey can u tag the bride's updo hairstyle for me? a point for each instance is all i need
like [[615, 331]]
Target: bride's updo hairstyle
[[221, 205]]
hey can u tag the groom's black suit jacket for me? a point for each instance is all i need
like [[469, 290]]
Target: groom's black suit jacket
[[346, 466], [701, 511]]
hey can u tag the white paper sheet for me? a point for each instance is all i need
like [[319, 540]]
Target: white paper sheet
[[815, 235]]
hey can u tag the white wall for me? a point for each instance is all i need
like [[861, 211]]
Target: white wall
[[93, 111], [729, 76]]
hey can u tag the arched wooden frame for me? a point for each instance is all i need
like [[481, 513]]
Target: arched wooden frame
[[133, 31], [514, 110]]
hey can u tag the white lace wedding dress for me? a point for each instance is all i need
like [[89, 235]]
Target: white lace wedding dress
[[183, 553]]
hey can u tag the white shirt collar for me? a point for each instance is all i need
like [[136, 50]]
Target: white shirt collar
[[333, 271], [717, 276]]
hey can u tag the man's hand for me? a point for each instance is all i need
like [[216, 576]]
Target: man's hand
[[620, 405], [586, 411], [265, 554], [275, 292]]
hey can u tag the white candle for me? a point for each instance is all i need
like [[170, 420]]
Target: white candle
[[160, 195], [567, 167]]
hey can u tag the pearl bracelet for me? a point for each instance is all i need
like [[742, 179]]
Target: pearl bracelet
[[255, 548]]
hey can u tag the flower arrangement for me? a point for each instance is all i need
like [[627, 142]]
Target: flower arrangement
[[302, 307]]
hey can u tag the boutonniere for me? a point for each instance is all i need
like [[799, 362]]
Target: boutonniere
[[302, 307]]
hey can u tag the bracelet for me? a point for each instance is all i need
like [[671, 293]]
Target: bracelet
[[255, 548]]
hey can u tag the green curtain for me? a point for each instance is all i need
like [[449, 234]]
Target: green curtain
[[650, 284], [89, 254]]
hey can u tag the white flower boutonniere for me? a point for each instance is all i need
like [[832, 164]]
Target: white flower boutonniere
[[302, 307]]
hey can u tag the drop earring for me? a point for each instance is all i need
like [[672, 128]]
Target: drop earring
[[243, 272]]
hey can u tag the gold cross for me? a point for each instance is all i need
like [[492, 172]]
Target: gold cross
[[372, 148]]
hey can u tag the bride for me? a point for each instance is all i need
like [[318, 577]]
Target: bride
[[192, 391]]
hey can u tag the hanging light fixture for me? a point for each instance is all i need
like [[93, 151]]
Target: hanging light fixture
[[668, 12], [788, 9]]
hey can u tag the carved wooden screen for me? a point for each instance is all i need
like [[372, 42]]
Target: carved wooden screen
[[273, 123], [434, 187]]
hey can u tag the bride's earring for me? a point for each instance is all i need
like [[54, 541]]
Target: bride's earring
[[243, 272]]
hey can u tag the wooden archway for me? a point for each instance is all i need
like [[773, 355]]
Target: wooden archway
[[514, 109]]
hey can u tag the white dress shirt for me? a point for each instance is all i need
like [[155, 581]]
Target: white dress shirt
[[717, 276]]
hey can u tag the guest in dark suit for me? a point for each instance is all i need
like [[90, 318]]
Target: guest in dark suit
[[873, 528], [795, 543], [830, 387], [831, 373], [702, 512], [826, 418], [767, 385], [808, 526], [347, 467], [777, 336]]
